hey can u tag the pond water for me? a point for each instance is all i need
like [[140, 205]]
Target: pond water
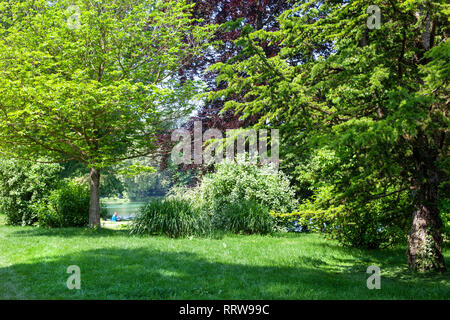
[[125, 209]]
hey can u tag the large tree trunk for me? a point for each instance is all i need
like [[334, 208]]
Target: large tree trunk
[[425, 240], [94, 206]]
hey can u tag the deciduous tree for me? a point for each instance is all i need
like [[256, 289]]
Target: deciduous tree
[[93, 80]]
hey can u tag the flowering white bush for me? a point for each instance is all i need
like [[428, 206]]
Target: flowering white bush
[[243, 181]]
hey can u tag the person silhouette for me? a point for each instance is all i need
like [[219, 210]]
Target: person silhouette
[[114, 217]]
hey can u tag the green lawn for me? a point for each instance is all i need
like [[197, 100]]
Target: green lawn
[[114, 265]]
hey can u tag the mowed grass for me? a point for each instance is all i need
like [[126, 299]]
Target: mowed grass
[[115, 265]]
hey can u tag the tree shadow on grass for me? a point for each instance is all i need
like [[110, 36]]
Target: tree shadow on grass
[[392, 258], [147, 273]]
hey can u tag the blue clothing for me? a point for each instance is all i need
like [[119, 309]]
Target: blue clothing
[[114, 218]]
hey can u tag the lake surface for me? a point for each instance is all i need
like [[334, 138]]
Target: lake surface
[[126, 209]]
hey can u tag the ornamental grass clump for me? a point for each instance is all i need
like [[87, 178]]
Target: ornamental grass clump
[[171, 217], [245, 217]]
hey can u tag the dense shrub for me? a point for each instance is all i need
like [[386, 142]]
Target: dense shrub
[[22, 185], [235, 182], [172, 217], [366, 213], [306, 220], [244, 217], [237, 197], [67, 206]]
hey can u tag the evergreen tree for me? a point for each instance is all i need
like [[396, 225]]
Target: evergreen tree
[[372, 87]]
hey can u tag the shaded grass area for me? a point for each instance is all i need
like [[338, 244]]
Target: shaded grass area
[[115, 265]]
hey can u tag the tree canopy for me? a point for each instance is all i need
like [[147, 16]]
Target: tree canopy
[[378, 97], [93, 81], [359, 92]]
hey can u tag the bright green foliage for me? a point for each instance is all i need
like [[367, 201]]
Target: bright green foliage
[[67, 206], [233, 182], [22, 184], [99, 92], [171, 217], [244, 217], [92, 80]]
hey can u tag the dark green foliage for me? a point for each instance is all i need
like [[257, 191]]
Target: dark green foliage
[[171, 217], [103, 212], [111, 186], [351, 213], [244, 217], [146, 185], [444, 208], [371, 226], [23, 183], [67, 206], [378, 98], [71, 169], [46, 217]]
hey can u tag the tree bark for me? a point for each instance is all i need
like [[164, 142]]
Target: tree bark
[[425, 240], [94, 206]]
